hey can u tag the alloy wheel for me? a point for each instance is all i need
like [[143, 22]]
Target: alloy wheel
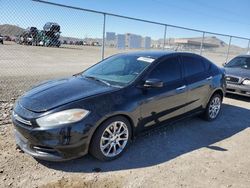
[[114, 139], [214, 107]]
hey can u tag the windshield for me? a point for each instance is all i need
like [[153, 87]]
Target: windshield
[[118, 70], [239, 62]]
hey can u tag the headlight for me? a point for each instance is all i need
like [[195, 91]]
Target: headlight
[[246, 82], [63, 117]]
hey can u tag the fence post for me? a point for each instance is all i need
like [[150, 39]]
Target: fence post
[[228, 48], [165, 34], [202, 41], [248, 46], [103, 35]]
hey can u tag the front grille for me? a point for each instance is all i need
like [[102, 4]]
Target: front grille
[[21, 120], [232, 79]]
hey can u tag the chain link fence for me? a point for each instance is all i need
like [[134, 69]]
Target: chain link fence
[[63, 40]]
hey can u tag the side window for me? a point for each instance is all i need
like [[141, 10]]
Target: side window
[[192, 65], [207, 64], [167, 71]]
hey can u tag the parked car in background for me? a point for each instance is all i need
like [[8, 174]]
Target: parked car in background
[[1, 39], [95, 44], [101, 109], [238, 75], [7, 38]]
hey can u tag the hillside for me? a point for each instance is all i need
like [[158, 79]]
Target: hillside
[[211, 40], [10, 30]]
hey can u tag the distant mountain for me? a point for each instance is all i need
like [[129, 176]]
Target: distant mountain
[[11, 30], [211, 40]]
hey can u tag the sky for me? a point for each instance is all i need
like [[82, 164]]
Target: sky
[[221, 16]]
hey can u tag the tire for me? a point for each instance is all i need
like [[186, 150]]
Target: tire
[[112, 144], [213, 108]]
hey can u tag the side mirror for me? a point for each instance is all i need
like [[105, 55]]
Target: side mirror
[[223, 64], [153, 83]]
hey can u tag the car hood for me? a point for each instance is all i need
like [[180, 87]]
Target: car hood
[[55, 93], [239, 72]]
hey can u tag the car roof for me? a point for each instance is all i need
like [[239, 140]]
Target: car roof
[[155, 53], [244, 55], [152, 54]]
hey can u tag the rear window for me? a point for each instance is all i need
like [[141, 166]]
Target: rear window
[[207, 63], [167, 71], [193, 65]]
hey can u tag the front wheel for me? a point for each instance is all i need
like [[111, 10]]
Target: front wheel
[[213, 108], [111, 139]]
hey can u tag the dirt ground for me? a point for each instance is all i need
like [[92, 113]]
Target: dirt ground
[[190, 153]]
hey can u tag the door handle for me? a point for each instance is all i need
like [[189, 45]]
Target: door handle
[[181, 88], [209, 78]]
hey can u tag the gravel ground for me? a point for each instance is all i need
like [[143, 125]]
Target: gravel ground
[[190, 153], [5, 108]]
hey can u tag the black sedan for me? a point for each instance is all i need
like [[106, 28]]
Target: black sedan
[[238, 75], [103, 108]]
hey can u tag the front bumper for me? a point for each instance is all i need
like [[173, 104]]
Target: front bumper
[[56, 144], [49, 154], [238, 89]]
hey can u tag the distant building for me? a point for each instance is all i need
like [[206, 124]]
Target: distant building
[[127, 40], [146, 42], [120, 41], [110, 39], [110, 36], [133, 41]]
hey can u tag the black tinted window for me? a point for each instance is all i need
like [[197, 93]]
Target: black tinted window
[[192, 65], [207, 64], [167, 71]]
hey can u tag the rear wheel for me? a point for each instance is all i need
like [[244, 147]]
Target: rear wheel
[[111, 139], [213, 108]]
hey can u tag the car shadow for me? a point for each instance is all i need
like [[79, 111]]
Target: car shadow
[[238, 97], [167, 143]]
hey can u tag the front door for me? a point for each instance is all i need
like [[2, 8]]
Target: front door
[[169, 101]]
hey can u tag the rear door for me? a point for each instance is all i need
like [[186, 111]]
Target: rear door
[[198, 79]]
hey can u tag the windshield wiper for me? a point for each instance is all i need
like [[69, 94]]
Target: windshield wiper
[[98, 79]]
